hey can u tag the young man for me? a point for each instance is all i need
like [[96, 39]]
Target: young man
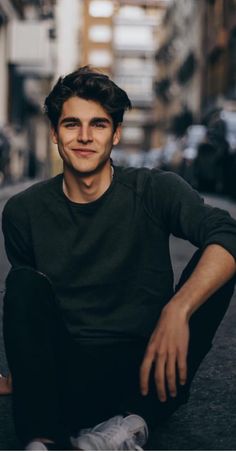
[[99, 345]]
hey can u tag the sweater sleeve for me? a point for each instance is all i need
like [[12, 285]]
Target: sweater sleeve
[[17, 237], [182, 212]]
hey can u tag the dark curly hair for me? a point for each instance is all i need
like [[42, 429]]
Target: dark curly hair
[[90, 84]]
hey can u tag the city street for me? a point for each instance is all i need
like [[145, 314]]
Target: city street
[[208, 421], [76, 67]]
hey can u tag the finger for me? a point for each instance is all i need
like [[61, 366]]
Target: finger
[[145, 370], [171, 374], [182, 368], [160, 377]]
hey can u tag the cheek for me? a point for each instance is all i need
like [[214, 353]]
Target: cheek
[[108, 146], [65, 141], [62, 148], [109, 142]]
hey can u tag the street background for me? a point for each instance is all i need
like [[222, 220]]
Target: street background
[[177, 61]]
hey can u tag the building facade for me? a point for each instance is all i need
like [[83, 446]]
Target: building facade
[[195, 63], [120, 37], [27, 33]]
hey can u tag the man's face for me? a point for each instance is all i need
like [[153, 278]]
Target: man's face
[[85, 135]]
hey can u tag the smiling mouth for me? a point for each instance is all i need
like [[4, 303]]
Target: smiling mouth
[[84, 152]]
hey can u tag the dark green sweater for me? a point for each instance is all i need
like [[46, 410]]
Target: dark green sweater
[[109, 259]]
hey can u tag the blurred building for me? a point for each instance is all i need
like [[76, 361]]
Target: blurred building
[[175, 58], [195, 62], [219, 52], [97, 34], [27, 33], [135, 27], [120, 38], [179, 62], [69, 35]]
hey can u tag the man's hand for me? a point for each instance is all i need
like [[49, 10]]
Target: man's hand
[[5, 385], [167, 351], [168, 346]]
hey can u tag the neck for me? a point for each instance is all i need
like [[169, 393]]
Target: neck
[[87, 188]]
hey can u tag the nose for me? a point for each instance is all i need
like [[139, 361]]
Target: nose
[[84, 134]]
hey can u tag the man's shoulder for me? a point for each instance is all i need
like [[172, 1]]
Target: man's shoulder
[[132, 177], [33, 195], [141, 178]]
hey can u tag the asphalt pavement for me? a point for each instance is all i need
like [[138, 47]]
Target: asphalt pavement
[[208, 421]]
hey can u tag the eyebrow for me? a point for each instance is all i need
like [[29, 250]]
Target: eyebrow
[[77, 120]]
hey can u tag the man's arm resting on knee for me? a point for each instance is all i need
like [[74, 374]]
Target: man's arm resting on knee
[[168, 346]]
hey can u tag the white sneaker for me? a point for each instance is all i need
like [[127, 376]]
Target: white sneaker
[[36, 445], [100, 427], [118, 433], [85, 432], [138, 432]]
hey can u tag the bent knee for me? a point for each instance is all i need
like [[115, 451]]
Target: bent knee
[[25, 287]]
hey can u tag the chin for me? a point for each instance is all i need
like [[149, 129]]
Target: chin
[[89, 167], [84, 169]]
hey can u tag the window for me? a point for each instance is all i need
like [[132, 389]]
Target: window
[[100, 33], [131, 12], [101, 8], [101, 58], [133, 36]]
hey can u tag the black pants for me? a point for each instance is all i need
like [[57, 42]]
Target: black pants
[[60, 386]]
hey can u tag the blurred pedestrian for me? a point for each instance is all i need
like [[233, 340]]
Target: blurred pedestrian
[[212, 164], [216, 136], [205, 168], [90, 315]]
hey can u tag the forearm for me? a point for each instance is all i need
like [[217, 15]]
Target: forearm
[[215, 267], [168, 344]]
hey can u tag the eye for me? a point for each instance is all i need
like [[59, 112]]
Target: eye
[[71, 125], [99, 125]]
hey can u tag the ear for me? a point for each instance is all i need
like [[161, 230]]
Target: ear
[[53, 134], [117, 135]]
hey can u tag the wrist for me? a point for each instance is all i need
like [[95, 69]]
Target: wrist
[[181, 306]]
